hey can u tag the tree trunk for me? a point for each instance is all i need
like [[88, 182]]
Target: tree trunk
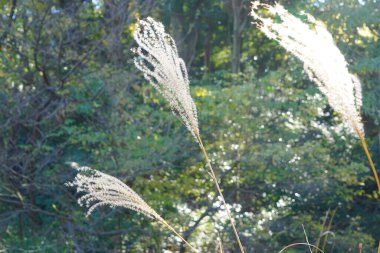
[[236, 49], [114, 31], [239, 18], [207, 56], [185, 35]]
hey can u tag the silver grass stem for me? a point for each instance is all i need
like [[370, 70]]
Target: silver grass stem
[[213, 176], [364, 145], [163, 222]]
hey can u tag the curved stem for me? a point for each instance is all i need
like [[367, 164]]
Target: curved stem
[[364, 144], [177, 234], [300, 243], [212, 173]]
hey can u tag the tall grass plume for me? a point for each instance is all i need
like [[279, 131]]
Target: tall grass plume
[[100, 189], [323, 62], [158, 59]]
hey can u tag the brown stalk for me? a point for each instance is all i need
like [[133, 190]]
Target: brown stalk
[[364, 144], [212, 174]]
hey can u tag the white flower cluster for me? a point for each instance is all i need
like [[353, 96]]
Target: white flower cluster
[[157, 58], [101, 189], [323, 62]]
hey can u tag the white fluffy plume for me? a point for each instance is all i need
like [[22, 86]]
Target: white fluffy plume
[[100, 189], [323, 62], [157, 58]]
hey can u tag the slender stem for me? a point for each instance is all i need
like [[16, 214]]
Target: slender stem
[[328, 228], [307, 240], [300, 243], [221, 247], [177, 234], [212, 173], [378, 250], [364, 144], [322, 229]]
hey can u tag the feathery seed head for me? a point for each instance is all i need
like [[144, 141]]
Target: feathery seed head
[[101, 189], [323, 62], [157, 57]]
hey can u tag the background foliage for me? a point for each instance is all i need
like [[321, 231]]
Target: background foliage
[[69, 92]]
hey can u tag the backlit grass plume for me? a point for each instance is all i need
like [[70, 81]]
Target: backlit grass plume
[[157, 58], [323, 62], [100, 189]]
